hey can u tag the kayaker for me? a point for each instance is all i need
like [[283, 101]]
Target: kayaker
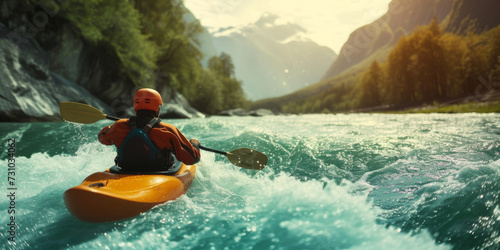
[[151, 146]]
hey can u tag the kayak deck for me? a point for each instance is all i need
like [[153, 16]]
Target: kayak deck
[[105, 196]]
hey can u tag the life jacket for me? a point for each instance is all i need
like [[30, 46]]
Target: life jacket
[[139, 153]]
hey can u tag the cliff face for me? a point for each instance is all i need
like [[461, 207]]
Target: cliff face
[[29, 90], [474, 16], [43, 65]]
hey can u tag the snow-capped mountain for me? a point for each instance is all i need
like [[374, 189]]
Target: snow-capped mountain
[[273, 56]]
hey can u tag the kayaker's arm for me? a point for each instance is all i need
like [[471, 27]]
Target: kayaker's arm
[[102, 136], [171, 138], [190, 151], [114, 134]]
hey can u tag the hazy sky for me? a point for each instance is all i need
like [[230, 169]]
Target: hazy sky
[[328, 22]]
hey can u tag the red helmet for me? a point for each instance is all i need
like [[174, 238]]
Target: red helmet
[[148, 99]]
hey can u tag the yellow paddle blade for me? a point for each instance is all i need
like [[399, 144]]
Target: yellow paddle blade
[[247, 158], [80, 113]]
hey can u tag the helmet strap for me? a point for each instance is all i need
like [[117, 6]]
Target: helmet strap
[[158, 112]]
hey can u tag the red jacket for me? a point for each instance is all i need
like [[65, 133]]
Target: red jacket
[[165, 136]]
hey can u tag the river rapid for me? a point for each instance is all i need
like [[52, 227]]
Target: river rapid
[[347, 181]]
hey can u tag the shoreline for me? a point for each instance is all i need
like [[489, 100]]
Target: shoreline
[[471, 107], [490, 106]]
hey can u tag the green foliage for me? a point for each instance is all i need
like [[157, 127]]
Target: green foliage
[[370, 89], [426, 67], [175, 40], [336, 99], [157, 48], [429, 67], [208, 95], [117, 23], [219, 89], [471, 107], [222, 65]]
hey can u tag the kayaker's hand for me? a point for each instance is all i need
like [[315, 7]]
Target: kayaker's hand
[[195, 143]]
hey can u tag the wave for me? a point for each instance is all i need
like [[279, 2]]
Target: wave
[[341, 182], [238, 208]]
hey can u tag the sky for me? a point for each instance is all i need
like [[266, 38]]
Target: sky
[[328, 22]]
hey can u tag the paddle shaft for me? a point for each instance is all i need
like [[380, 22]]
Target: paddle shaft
[[112, 118], [213, 150]]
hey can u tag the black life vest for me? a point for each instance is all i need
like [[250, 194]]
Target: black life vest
[[138, 153]]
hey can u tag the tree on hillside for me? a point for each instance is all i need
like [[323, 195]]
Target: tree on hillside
[[118, 24], [428, 63], [232, 92], [479, 59], [222, 65], [208, 95], [175, 40], [494, 40], [370, 86], [217, 89], [457, 63], [400, 86]]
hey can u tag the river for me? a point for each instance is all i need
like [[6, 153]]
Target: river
[[346, 181]]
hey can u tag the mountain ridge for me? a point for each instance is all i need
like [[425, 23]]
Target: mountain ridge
[[369, 39], [390, 27], [274, 55]]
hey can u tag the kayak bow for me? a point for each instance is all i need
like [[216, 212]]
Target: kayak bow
[[105, 196]]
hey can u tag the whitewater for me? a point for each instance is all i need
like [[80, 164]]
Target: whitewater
[[345, 181]]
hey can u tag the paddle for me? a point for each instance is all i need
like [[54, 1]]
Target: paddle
[[243, 157], [83, 113]]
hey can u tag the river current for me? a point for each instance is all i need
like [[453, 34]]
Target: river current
[[347, 181]]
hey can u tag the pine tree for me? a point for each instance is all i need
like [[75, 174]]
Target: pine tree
[[370, 86], [400, 88]]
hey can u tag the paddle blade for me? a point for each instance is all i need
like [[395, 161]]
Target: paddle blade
[[80, 113], [247, 158]]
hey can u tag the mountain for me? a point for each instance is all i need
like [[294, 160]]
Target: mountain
[[474, 16], [376, 40], [273, 57]]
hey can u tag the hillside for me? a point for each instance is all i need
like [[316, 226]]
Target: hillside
[[373, 41], [273, 57], [472, 16], [340, 88]]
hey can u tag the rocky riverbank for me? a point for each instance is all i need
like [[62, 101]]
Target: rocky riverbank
[[37, 74]]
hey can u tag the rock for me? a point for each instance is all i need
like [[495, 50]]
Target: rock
[[233, 112], [93, 66], [261, 112], [29, 91], [71, 92], [242, 112], [177, 107]]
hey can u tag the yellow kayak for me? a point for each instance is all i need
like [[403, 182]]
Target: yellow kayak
[[107, 196]]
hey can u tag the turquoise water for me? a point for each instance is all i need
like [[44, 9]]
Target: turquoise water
[[332, 182]]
